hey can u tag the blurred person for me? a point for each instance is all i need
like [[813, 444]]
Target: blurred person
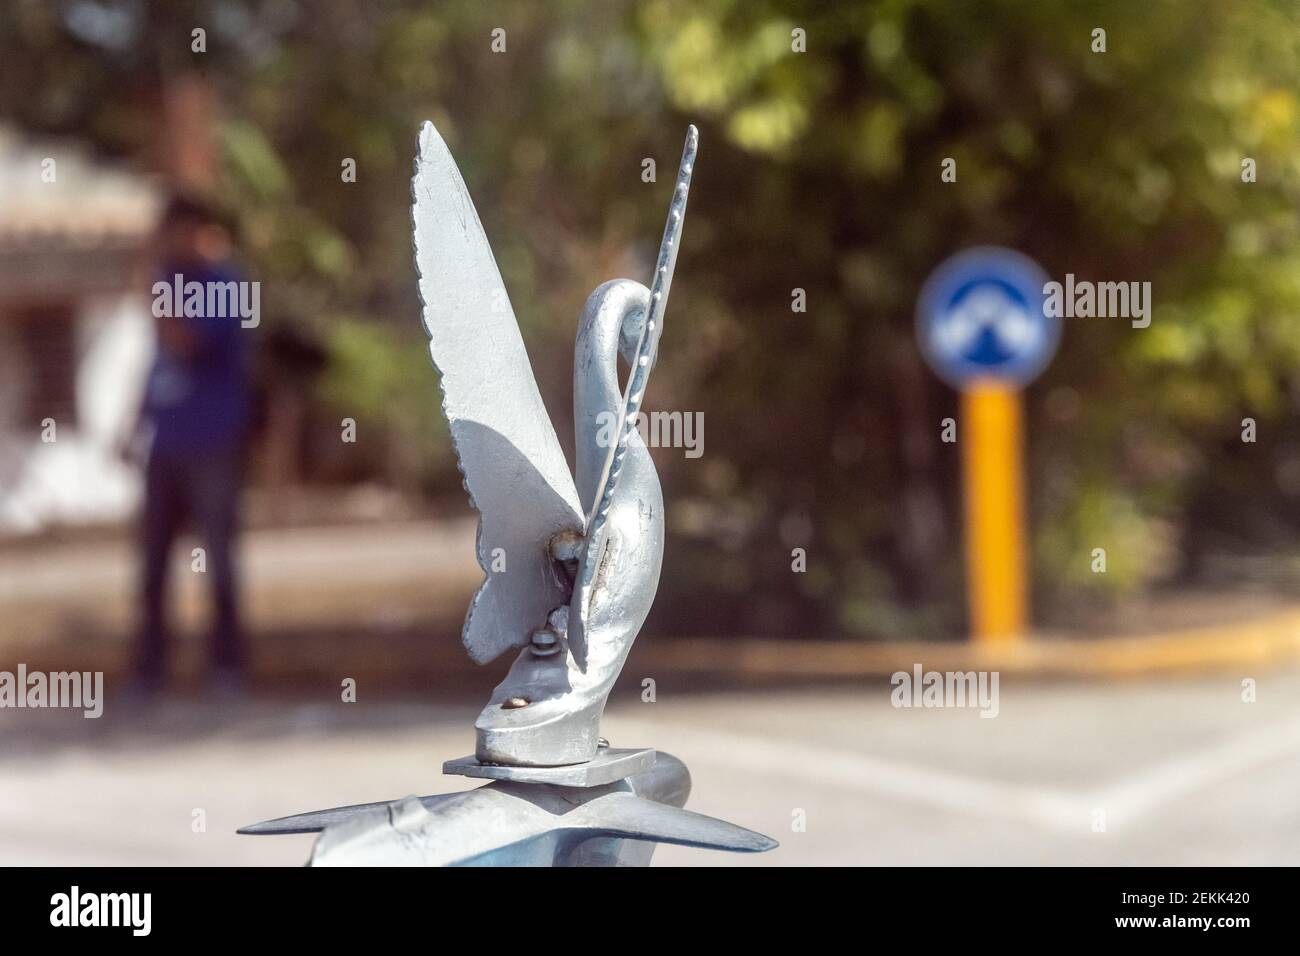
[[194, 418]]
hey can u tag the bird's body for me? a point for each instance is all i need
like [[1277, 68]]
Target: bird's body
[[560, 723]]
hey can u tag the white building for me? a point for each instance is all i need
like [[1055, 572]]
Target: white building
[[76, 333]]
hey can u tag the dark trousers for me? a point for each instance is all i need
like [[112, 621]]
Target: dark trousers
[[203, 489]]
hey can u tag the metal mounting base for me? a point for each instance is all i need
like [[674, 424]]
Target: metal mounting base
[[509, 824], [609, 765]]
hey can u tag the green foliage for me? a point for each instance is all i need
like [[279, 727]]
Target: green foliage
[[378, 375], [818, 171]]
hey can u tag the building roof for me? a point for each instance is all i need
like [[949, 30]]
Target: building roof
[[75, 233], [88, 202]]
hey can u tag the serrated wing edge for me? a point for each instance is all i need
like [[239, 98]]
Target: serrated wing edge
[[509, 455]]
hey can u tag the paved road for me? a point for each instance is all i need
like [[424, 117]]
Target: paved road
[[355, 574], [1183, 770]]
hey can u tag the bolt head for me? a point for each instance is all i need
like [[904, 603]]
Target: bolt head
[[545, 642]]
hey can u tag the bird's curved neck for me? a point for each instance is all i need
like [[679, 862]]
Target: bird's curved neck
[[609, 322]]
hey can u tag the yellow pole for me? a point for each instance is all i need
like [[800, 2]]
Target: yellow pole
[[993, 473]]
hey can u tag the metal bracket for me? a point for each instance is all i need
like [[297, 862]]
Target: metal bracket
[[610, 765]]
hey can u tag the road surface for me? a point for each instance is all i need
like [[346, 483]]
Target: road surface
[[1166, 771]]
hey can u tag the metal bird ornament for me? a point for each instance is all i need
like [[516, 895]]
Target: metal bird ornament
[[571, 568], [581, 561]]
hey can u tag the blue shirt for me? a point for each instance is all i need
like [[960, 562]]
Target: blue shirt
[[199, 403]]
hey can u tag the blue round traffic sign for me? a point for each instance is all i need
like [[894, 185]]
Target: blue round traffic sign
[[980, 315]]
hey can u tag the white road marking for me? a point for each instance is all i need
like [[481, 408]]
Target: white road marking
[[1147, 790], [1124, 802]]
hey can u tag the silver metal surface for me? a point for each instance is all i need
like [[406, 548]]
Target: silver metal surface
[[609, 765], [513, 466], [547, 710], [571, 588], [514, 824], [561, 724], [641, 357]]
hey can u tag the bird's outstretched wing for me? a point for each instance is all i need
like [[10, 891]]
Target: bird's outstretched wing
[[514, 470]]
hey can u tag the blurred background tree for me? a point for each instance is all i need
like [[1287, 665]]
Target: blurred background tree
[[820, 171]]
